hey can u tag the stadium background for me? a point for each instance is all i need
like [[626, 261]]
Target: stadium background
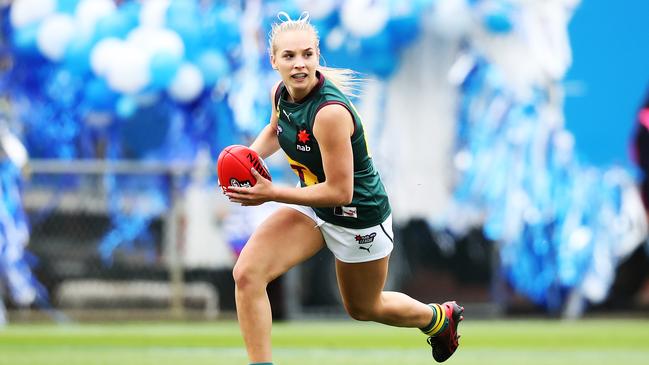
[[502, 129]]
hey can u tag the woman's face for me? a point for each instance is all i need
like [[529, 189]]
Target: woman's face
[[296, 59]]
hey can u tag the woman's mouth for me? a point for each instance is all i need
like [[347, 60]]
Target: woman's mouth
[[299, 76]]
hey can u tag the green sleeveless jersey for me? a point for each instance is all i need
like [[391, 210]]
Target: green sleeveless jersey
[[370, 205]]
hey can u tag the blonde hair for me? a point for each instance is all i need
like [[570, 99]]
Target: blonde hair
[[345, 79]]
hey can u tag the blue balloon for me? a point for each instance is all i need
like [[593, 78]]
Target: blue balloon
[[116, 24], [404, 30], [213, 65], [67, 6], [77, 54], [146, 131], [183, 8], [188, 31], [499, 22], [98, 95], [24, 40], [221, 28], [164, 66], [378, 43], [126, 107]]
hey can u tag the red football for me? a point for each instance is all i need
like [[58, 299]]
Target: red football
[[234, 164]]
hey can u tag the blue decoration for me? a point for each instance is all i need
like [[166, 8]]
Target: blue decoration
[[214, 66], [164, 66], [67, 6], [15, 268]]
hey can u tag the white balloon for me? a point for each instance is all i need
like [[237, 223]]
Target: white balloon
[[103, 55], [187, 84], [318, 9], [88, 12], [364, 18], [157, 40], [129, 69], [54, 35], [452, 18], [153, 13], [24, 12], [13, 148]]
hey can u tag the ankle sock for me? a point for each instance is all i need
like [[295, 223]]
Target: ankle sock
[[438, 323]]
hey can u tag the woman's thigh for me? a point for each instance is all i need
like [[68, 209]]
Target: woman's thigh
[[282, 241], [361, 284]]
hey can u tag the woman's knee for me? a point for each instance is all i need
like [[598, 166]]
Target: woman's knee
[[248, 276], [361, 311]]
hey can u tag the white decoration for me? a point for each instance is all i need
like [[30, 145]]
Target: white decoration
[[157, 40], [24, 12], [153, 13], [452, 18], [187, 84], [128, 71], [104, 54], [364, 18], [318, 9], [54, 35], [88, 12]]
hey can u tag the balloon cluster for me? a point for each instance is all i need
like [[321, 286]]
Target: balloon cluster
[[175, 47], [561, 225], [122, 80]]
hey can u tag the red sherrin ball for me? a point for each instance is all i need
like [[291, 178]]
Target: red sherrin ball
[[234, 164]]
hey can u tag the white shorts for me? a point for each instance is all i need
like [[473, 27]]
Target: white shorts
[[353, 245]]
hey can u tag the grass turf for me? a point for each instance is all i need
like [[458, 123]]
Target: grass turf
[[586, 342]]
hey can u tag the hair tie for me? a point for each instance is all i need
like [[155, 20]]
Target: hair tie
[[283, 16], [304, 17]]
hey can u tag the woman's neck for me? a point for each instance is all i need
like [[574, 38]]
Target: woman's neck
[[295, 96]]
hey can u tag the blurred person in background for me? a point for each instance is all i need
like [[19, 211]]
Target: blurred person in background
[[341, 203], [641, 148]]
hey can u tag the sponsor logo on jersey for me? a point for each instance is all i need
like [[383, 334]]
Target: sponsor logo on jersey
[[288, 115], [349, 212], [303, 140]]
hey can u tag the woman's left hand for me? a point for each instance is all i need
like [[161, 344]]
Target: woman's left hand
[[260, 193]]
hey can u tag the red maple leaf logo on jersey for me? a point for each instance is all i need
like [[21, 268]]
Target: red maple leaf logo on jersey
[[303, 136]]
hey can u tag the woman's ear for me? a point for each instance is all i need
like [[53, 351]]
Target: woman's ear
[[272, 62]]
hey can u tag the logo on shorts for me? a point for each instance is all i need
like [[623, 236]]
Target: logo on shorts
[[364, 240]]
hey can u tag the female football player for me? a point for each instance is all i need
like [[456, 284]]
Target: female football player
[[340, 203]]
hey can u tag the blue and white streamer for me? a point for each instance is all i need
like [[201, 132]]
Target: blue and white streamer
[[561, 226]]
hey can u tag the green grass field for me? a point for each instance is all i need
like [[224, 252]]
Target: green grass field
[[586, 342]]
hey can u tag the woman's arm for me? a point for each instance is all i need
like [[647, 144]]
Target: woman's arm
[[333, 128], [266, 142]]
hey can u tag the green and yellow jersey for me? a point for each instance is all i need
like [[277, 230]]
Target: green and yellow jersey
[[370, 205]]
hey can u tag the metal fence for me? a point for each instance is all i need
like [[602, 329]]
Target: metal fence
[[180, 265], [72, 207]]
